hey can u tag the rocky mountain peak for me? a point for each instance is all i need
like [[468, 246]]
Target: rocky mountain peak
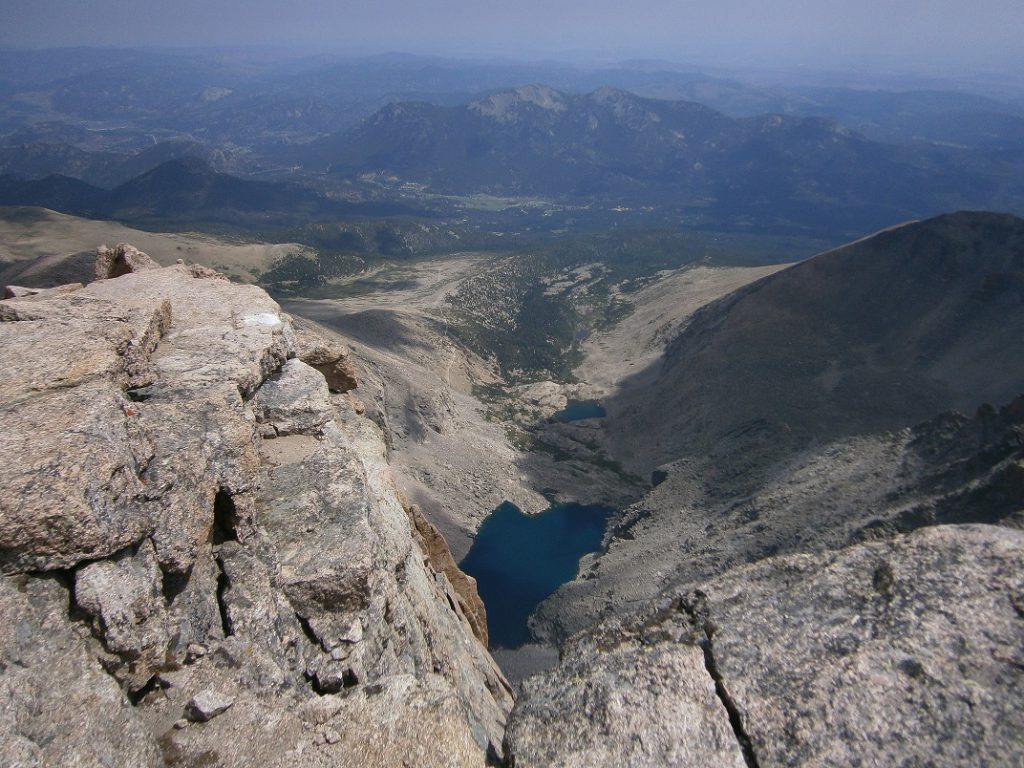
[[504, 105], [205, 557]]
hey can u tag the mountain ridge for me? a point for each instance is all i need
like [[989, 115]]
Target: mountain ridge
[[787, 413], [926, 302], [190, 190], [610, 144]]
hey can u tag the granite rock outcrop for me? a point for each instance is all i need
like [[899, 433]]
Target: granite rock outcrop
[[204, 558], [121, 260], [906, 651]]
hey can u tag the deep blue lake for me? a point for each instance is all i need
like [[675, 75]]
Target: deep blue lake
[[576, 410], [518, 560]]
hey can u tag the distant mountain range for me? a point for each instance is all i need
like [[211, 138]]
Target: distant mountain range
[[767, 171], [252, 99], [675, 146], [49, 149], [189, 191]]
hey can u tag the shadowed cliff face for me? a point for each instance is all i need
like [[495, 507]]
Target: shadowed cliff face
[[204, 557]]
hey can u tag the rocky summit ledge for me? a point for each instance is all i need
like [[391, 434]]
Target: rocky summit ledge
[[908, 651], [204, 559]]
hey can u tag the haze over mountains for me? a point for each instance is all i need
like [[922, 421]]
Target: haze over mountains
[[767, 170], [188, 191], [708, 151], [767, 327]]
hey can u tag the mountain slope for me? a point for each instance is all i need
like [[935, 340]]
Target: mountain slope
[[38, 159], [189, 185], [778, 420], [188, 190], [41, 248], [57, 192], [876, 335]]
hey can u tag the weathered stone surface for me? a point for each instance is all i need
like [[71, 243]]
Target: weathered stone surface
[[899, 652], [121, 260], [198, 270], [206, 705], [57, 705], [399, 720], [56, 512], [21, 292], [363, 591], [294, 400], [642, 702], [906, 652], [436, 548], [70, 366], [194, 556], [122, 594], [329, 357], [418, 718]]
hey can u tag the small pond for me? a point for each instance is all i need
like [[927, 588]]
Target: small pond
[[576, 410], [519, 559]]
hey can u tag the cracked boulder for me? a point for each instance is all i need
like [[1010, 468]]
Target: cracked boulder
[[66, 362], [365, 594], [295, 400], [908, 651], [642, 704], [161, 558], [57, 705], [122, 595]]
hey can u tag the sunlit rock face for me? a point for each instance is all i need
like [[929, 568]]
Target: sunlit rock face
[[204, 557], [904, 651]]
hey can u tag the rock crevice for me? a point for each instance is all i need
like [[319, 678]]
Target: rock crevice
[[697, 609]]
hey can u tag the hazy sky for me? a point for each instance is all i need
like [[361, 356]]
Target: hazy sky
[[978, 32]]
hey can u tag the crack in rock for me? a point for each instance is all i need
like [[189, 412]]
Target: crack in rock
[[699, 612]]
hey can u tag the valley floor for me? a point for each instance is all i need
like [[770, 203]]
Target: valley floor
[[461, 440], [455, 446]]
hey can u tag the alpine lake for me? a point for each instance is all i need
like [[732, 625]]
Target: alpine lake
[[518, 560]]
